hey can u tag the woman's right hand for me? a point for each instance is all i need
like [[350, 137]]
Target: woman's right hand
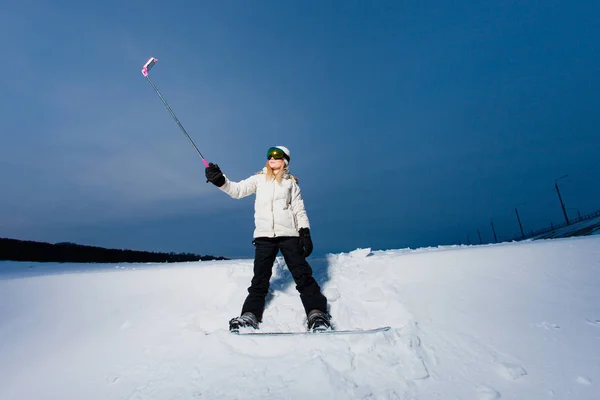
[[214, 175]]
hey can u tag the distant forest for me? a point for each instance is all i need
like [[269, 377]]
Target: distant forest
[[25, 250]]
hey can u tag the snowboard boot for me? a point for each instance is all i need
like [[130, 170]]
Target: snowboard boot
[[319, 321], [247, 320]]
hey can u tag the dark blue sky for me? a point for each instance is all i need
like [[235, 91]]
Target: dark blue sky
[[410, 124]]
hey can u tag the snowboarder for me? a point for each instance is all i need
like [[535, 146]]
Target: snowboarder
[[281, 224]]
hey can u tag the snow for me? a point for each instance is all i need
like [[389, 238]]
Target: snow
[[512, 320]]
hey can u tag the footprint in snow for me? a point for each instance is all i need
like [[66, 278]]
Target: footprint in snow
[[511, 371], [593, 323], [584, 380], [485, 392], [416, 369]]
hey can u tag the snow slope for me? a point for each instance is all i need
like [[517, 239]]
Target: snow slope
[[514, 320]]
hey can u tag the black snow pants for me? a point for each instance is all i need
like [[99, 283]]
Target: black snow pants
[[266, 250]]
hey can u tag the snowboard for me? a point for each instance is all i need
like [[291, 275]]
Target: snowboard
[[323, 333]]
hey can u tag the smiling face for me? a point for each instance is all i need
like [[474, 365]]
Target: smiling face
[[276, 164]]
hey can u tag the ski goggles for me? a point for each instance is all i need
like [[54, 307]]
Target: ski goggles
[[276, 153]]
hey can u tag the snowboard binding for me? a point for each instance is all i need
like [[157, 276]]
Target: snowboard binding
[[246, 320]]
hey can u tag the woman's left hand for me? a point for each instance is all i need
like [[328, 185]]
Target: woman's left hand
[[305, 241]]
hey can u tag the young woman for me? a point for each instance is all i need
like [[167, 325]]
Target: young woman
[[281, 224]]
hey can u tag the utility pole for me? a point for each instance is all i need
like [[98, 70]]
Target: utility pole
[[578, 213], [494, 230], [560, 198], [520, 225]]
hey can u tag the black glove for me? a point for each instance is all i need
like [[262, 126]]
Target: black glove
[[214, 175], [305, 241]]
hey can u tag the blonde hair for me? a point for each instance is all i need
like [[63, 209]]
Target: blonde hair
[[282, 172]]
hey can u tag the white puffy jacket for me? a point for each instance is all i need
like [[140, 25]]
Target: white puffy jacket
[[278, 208]]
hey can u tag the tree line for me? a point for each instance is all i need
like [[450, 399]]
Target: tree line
[[26, 250]]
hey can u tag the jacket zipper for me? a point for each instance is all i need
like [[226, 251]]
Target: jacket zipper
[[272, 208]]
